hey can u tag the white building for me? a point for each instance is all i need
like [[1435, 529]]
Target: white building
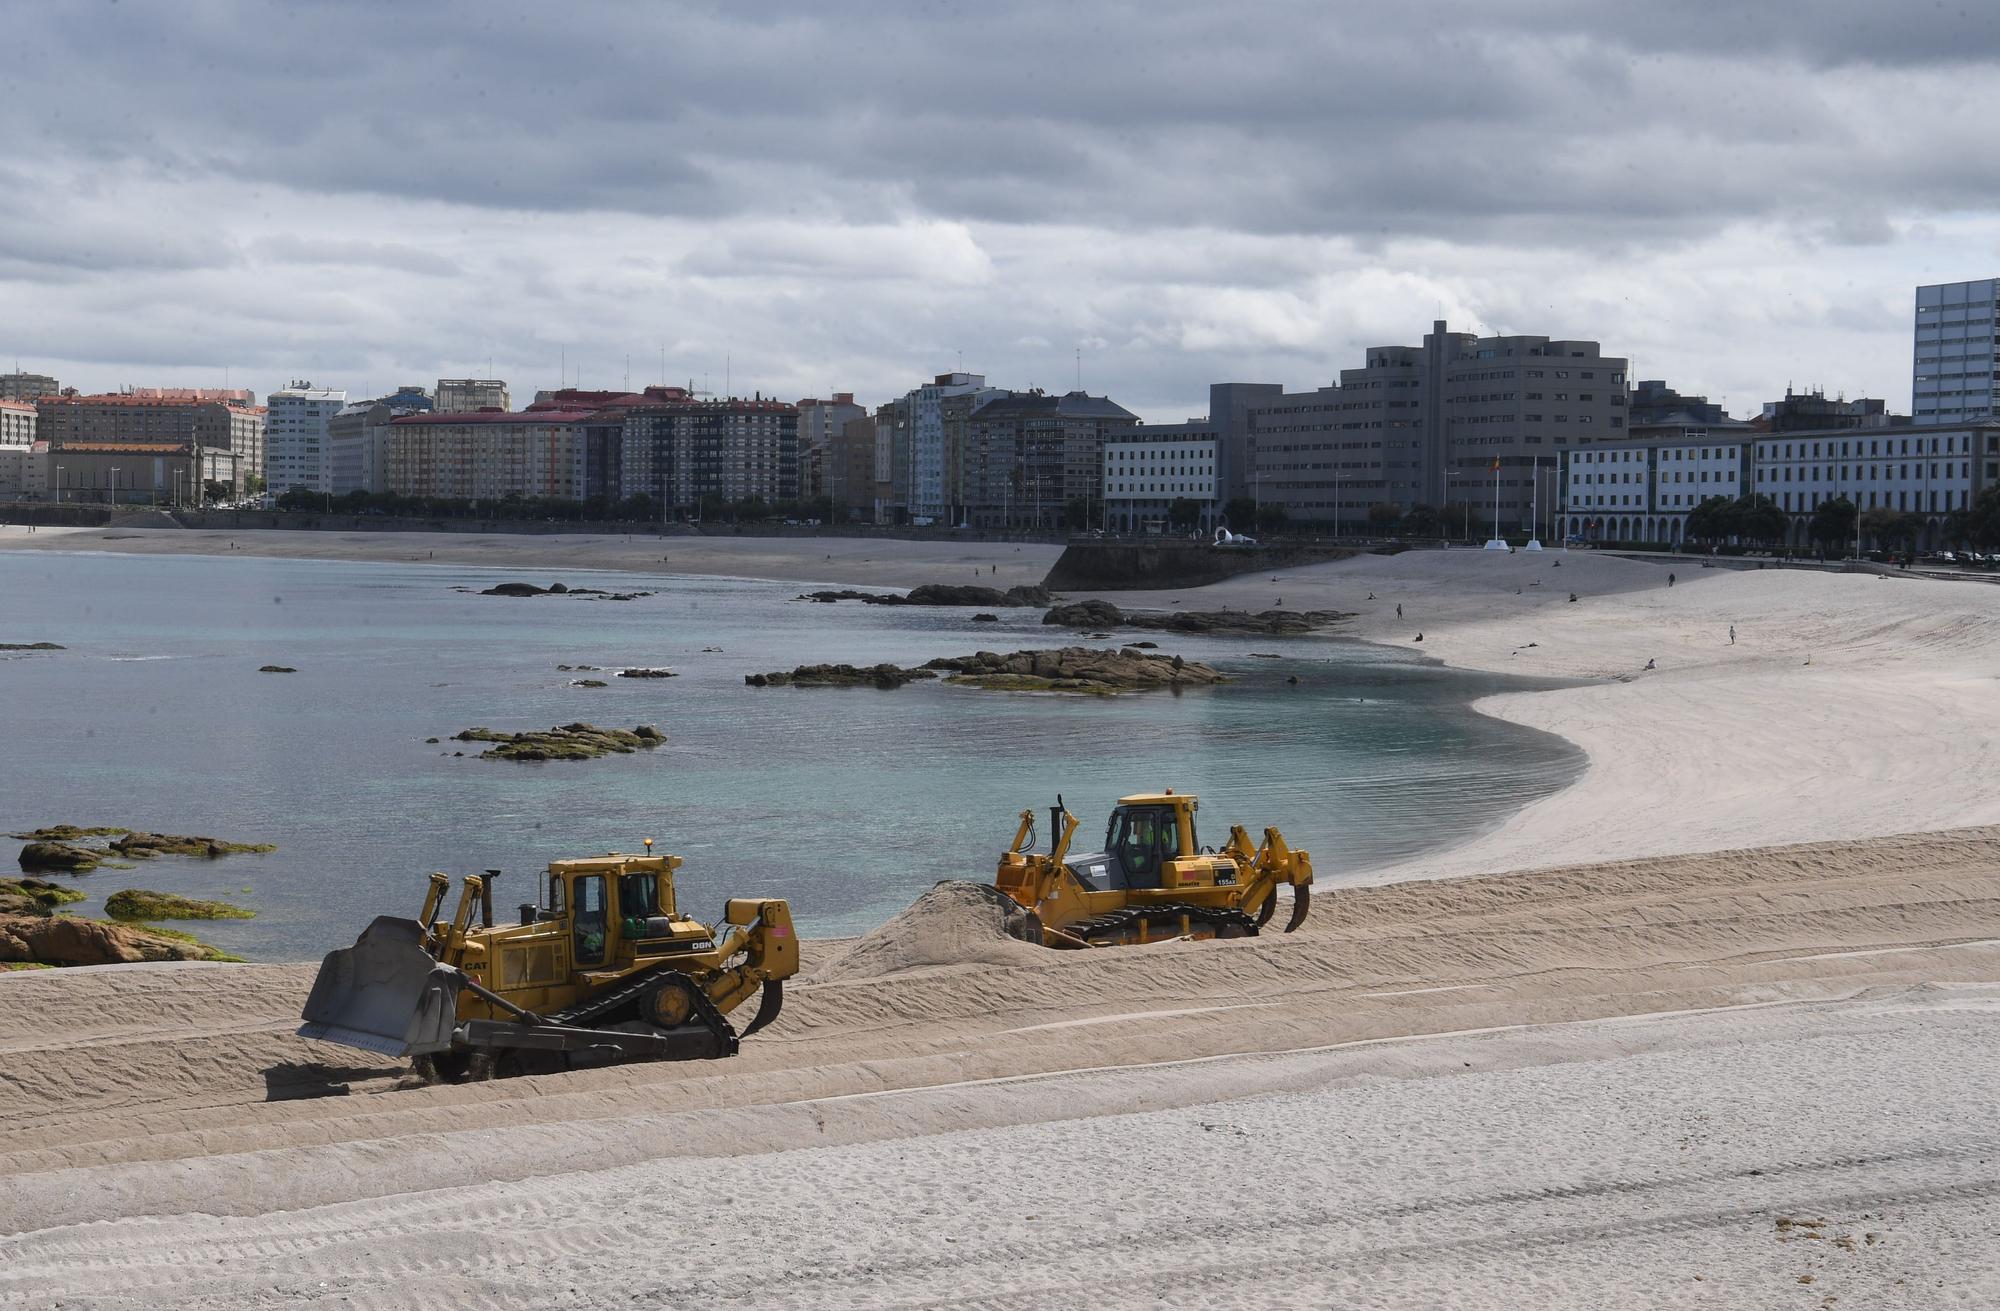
[[1956, 370], [17, 444], [1147, 470], [1642, 490], [298, 451], [927, 445]]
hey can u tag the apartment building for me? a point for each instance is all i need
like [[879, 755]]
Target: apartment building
[[1036, 454], [298, 448], [486, 454], [681, 450]]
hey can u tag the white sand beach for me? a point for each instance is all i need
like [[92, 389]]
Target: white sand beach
[[1714, 1026]]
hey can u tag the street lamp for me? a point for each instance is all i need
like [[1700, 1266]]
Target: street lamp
[[59, 473], [111, 494]]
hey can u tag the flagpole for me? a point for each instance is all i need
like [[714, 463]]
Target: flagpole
[[1496, 542], [1535, 514]]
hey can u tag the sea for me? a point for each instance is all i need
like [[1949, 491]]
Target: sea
[[848, 801]]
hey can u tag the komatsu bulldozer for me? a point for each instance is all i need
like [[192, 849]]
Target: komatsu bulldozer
[[603, 968], [1153, 880]]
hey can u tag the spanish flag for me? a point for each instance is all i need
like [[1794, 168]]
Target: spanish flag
[[1496, 465]]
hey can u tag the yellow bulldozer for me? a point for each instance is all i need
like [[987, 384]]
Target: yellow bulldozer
[[602, 968], [1153, 879]]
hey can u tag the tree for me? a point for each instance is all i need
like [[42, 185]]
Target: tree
[[1979, 525], [1272, 518], [1076, 513], [1240, 513], [1756, 518], [1384, 517], [1832, 524], [1464, 517], [1421, 521], [1710, 521], [1892, 530], [1184, 514], [298, 498]]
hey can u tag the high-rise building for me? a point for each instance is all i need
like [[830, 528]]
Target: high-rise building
[[27, 386], [298, 449], [1034, 455], [928, 498], [1955, 376], [686, 453], [1149, 468], [1459, 418], [847, 470], [463, 395]]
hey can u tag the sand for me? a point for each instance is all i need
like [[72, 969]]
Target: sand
[[1725, 1039]]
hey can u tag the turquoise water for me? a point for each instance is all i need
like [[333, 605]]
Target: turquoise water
[[847, 801]]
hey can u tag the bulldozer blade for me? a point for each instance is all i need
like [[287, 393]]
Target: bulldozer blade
[[384, 994], [768, 1008], [1302, 900]]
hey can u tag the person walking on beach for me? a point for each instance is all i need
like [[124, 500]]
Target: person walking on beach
[[1670, 580], [1732, 635], [1399, 609]]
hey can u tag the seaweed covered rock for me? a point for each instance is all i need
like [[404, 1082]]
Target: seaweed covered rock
[[647, 673], [145, 846], [1076, 669], [66, 940], [883, 676], [140, 904], [34, 896], [60, 857], [578, 741], [276, 669]]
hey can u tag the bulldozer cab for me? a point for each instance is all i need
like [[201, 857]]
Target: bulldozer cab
[[616, 906], [1144, 834]]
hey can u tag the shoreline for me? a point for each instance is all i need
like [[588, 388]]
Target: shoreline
[[1643, 734]]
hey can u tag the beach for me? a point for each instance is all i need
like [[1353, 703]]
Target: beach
[[1712, 1026]]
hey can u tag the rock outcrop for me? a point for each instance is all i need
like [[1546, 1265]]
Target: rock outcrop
[[140, 904], [66, 940], [32, 646], [646, 673], [1076, 669], [883, 676], [34, 896], [60, 857], [276, 669], [145, 846], [1087, 615], [577, 741], [942, 594], [558, 589]]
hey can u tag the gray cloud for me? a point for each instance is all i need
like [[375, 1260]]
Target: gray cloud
[[852, 195]]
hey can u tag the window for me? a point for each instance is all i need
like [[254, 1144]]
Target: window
[[591, 920]]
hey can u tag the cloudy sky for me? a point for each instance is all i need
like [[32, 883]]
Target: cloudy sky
[[820, 197]]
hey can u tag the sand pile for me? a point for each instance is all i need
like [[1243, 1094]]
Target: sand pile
[[955, 923]]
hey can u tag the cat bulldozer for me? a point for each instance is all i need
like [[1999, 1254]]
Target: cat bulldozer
[[1153, 880], [604, 968]]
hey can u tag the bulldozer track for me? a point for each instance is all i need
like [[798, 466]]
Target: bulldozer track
[[607, 1006], [1112, 926]]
